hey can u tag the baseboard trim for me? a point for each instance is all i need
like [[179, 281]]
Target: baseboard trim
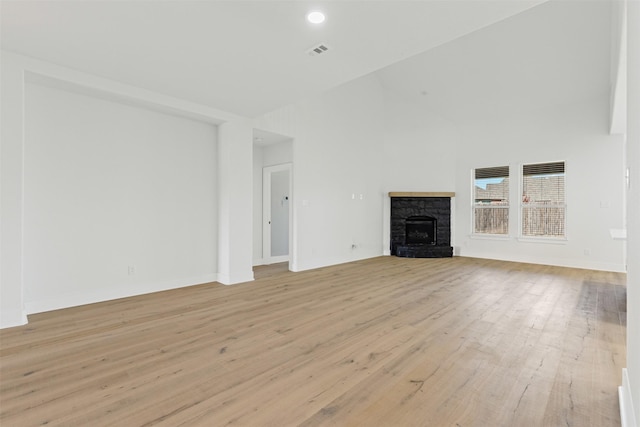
[[108, 294], [11, 318], [627, 414], [571, 263], [227, 279]]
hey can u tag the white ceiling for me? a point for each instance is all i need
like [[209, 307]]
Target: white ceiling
[[249, 57]]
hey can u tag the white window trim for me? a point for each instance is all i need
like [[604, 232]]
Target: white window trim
[[537, 239], [487, 236], [542, 239]]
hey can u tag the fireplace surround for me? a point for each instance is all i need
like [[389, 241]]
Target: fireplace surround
[[421, 225]]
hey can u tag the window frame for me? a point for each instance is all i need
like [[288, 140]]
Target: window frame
[[521, 215], [474, 206]]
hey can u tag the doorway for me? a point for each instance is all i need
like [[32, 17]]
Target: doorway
[[277, 212]]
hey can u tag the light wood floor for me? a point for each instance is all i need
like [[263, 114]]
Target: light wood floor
[[381, 342]]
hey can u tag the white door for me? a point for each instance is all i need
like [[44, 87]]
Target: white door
[[276, 213]]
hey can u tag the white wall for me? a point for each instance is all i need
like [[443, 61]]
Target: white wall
[[17, 70], [11, 225], [631, 382], [235, 204], [419, 149], [577, 134], [257, 205], [277, 154], [118, 200], [337, 174]]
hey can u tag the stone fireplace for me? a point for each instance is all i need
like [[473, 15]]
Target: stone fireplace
[[421, 225]]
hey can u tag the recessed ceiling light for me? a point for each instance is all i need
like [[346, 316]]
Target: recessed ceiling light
[[316, 17]]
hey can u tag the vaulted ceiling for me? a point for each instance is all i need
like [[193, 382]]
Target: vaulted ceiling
[[250, 57], [555, 54]]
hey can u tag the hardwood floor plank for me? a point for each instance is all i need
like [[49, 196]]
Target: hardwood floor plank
[[385, 341]]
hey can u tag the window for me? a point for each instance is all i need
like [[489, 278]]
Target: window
[[543, 201], [491, 200]]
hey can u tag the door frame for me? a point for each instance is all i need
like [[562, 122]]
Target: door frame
[[267, 171]]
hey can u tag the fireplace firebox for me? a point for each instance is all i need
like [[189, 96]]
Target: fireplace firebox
[[421, 230]]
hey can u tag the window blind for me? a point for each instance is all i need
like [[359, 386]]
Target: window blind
[[494, 172], [543, 169]]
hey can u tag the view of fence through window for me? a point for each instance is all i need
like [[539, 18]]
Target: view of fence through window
[[543, 200], [491, 200]]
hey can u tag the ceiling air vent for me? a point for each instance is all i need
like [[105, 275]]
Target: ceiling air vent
[[318, 50]]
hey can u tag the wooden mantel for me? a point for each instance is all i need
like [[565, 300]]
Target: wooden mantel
[[421, 194]]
